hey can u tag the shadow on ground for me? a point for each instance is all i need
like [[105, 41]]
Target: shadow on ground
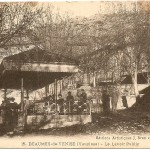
[[123, 122]]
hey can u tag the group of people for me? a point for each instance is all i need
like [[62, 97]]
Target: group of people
[[112, 99], [80, 104], [9, 112], [70, 104]]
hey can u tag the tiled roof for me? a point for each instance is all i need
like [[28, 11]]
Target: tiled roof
[[38, 55]]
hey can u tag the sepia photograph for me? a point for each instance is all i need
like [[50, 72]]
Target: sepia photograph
[[75, 74]]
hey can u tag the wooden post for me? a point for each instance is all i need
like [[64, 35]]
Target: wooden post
[[23, 105], [52, 92], [5, 94], [26, 102], [22, 96], [90, 105], [27, 92], [55, 93], [60, 86], [94, 81], [50, 89], [46, 91]]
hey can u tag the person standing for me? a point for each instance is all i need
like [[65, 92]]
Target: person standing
[[3, 108], [60, 102], [70, 101], [76, 102], [115, 97], [83, 96], [105, 102], [13, 114], [83, 101], [124, 99]]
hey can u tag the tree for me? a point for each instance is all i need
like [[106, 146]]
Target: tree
[[122, 44], [15, 20], [115, 43], [133, 39]]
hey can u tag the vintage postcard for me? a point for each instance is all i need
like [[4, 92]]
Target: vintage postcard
[[75, 74]]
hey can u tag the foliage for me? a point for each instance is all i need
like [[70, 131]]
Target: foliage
[[15, 20]]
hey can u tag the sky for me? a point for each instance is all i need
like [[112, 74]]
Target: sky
[[83, 9], [88, 8]]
